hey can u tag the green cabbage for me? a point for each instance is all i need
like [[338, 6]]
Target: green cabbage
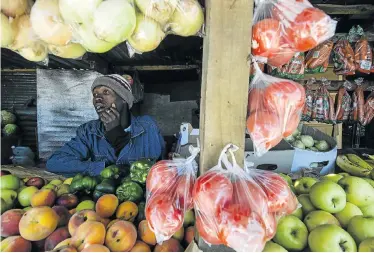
[[10, 129], [313, 149], [296, 133], [290, 138], [7, 118], [299, 144], [307, 140], [322, 146]]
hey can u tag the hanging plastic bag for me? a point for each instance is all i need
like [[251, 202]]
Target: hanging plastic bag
[[321, 104], [343, 57], [231, 208], [169, 194], [343, 102], [317, 59], [253, 70], [282, 28], [363, 53], [275, 107], [308, 106], [359, 91], [294, 69], [369, 108]]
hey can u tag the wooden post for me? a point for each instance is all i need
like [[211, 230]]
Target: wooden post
[[225, 78]]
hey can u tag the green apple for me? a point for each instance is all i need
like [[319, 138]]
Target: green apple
[[286, 177], [370, 181], [298, 213], [24, 197], [328, 196], [9, 196], [345, 215], [372, 174], [366, 245], [50, 186], [9, 182], [359, 192], [179, 235], [344, 174], [273, 247], [27, 208], [303, 185], [318, 218], [5, 206], [361, 228], [86, 204], [189, 218], [368, 211], [331, 238], [332, 177], [306, 204], [56, 182], [292, 234]]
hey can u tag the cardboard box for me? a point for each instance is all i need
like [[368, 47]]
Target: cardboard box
[[278, 159], [334, 130], [304, 158]]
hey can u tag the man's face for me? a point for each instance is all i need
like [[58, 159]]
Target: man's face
[[104, 97]]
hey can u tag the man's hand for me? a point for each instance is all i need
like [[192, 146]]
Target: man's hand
[[110, 117]]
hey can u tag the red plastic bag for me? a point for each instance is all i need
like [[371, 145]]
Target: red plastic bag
[[363, 55], [343, 102], [231, 208], [359, 91], [317, 59], [309, 98], [275, 107], [284, 27], [369, 108], [169, 194]]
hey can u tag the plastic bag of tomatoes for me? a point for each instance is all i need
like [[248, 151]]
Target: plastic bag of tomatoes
[[284, 27], [231, 208], [169, 194], [275, 106]]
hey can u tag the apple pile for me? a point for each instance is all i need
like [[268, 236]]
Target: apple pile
[[336, 214]]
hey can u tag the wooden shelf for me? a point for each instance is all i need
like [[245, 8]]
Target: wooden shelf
[[329, 74]]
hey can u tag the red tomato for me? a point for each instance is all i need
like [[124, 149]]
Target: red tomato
[[276, 189], [184, 192], [211, 191], [255, 98], [283, 56], [208, 230], [161, 178], [311, 27], [284, 96], [249, 194], [162, 216], [265, 130], [291, 124], [266, 37], [270, 225], [241, 229]]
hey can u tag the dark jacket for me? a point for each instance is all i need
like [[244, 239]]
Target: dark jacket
[[90, 152]]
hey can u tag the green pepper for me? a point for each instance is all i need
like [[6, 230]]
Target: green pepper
[[126, 179], [141, 212], [139, 170], [106, 186], [129, 191], [89, 183], [111, 171]]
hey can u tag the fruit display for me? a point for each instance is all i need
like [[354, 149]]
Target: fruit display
[[70, 28], [298, 140], [35, 217]]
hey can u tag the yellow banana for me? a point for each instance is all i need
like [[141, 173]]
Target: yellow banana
[[371, 162], [343, 162], [355, 159], [371, 157]]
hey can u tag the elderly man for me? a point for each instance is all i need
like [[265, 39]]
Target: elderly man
[[117, 137]]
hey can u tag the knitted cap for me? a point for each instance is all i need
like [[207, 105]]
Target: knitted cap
[[118, 84]]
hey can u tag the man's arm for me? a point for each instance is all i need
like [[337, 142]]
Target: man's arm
[[73, 157], [156, 142]]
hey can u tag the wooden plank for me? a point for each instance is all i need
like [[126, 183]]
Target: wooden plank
[[329, 74], [156, 67], [337, 9], [225, 76]]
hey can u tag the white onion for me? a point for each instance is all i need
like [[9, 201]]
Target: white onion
[[69, 51], [13, 8], [114, 20], [87, 38], [159, 10], [7, 31], [25, 35], [36, 52], [147, 35], [78, 11], [187, 18], [48, 24]]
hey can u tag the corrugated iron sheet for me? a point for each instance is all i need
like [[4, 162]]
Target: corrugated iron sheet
[[64, 102], [18, 93]]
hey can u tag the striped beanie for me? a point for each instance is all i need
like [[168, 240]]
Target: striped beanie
[[118, 84]]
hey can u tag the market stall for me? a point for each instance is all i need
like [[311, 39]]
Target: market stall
[[265, 170]]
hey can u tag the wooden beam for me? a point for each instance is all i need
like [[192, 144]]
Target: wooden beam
[[337, 9], [157, 67], [224, 78]]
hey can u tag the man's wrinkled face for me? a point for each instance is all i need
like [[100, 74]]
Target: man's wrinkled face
[[104, 97]]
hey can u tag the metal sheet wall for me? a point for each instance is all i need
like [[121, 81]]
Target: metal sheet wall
[[18, 93]]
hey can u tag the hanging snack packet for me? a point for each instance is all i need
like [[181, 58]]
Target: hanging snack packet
[[369, 108], [359, 91], [275, 107], [321, 104], [317, 59], [294, 69], [308, 107], [363, 54], [169, 194], [343, 102], [343, 57]]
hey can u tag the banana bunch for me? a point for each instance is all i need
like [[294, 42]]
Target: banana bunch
[[354, 165]]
